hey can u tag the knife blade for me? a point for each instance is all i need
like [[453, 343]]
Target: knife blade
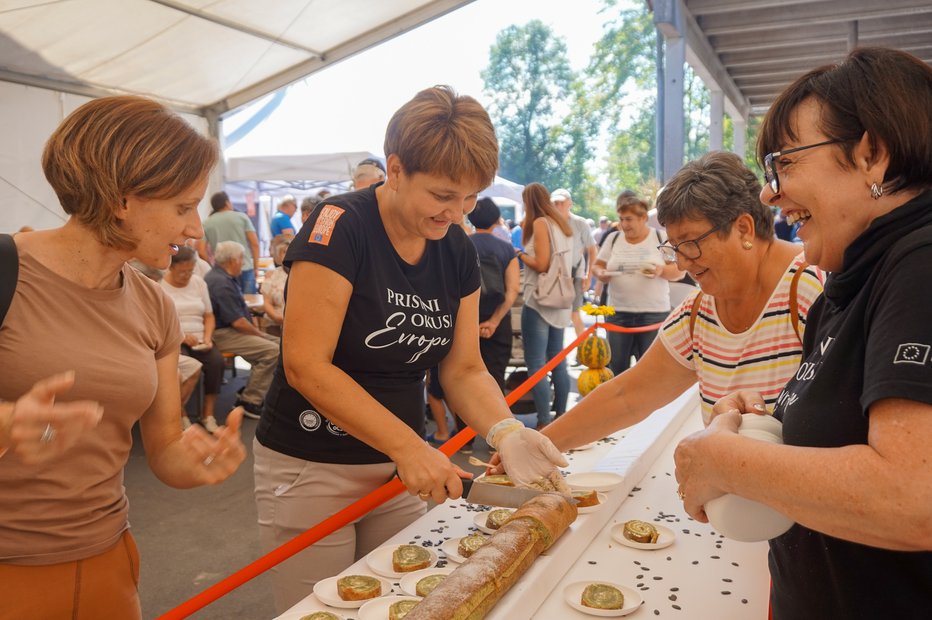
[[496, 494]]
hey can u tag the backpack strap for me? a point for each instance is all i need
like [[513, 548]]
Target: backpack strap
[[693, 313], [794, 303], [9, 273]]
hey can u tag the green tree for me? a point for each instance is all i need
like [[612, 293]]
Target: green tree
[[537, 106]]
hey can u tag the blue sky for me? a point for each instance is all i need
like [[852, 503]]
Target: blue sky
[[347, 106]]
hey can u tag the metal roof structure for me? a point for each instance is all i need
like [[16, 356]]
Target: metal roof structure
[[201, 56], [753, 49]]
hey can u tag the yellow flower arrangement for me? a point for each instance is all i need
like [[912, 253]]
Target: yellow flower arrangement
[[598, 310]]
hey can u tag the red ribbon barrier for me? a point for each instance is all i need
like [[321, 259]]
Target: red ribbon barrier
[[371, 501]]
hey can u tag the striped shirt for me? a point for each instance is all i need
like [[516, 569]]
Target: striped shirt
[[761, 359]]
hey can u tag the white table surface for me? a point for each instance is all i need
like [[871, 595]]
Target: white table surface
[[702, 575]]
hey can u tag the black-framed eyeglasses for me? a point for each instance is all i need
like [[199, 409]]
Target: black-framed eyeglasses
[[770, 170], [688, 249]]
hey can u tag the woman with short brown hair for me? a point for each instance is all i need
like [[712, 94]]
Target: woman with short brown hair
[[95, 347]]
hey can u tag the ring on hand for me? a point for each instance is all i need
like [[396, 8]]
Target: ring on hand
[[208, 460], [681, 495], [423, 495], [48, 434]]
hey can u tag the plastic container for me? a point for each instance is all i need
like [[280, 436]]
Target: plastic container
[[739, 518]]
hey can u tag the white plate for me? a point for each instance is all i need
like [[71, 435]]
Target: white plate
[[326, 591], [380, 561], [594, 481], [377, 609], [665, 537], [573, 596], [450, 549], [480, 518], [588, 509], [297, 615], [408, 583]]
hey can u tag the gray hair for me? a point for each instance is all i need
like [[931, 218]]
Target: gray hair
[[717, 187], [228, 251]]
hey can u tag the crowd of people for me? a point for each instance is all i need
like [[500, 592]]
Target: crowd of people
[[410, 273]]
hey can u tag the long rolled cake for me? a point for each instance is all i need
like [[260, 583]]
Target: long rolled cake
[[470, 591]]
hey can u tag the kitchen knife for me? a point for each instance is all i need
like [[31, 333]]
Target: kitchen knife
[[478, 492]]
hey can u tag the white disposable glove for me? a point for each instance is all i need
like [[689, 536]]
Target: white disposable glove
[[529, 456]]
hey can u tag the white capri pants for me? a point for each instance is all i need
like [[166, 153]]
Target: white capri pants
[[293, 495]]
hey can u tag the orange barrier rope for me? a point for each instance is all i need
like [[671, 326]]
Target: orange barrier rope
[[363, 505]]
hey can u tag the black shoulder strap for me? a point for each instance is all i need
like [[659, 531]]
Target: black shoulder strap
[[9, 273]]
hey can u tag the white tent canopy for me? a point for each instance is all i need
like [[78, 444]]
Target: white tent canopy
[[203, 57], [329, 167]]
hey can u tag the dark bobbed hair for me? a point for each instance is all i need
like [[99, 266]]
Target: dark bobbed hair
[[537, 204], [441, 133], [883, 92], [717, 187], [113, 147]]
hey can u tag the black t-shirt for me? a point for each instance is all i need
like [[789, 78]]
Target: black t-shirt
[[399, 323], [868, 338], [490, 245]]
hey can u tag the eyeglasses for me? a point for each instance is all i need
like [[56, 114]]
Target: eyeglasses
[[770, 171], [689, 249]]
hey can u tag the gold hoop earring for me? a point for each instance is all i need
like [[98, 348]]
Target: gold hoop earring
[[747, 245], [876, 191]]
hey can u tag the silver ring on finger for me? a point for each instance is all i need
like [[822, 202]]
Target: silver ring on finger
[[208, 460], [681, 495], [424, 496], [48, 434]]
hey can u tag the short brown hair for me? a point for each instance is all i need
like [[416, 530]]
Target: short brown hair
[[113, 147], [537, 204], [629, 201], [440, 132], [885, 93], [717, 187]]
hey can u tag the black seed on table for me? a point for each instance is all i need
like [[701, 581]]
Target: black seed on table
[[674, 589], [734, 564], [639, 585], [695, 561], [646, 588], [685, 531], [457, 516], [441, 521], [745, 601], [637, 562], [640, 577], [672, 597], [715, 557], [726, 579], [418, 537], [726, 592], [644, 568], [658, 578], [669, 558], [656, 612], [676, 607], [593, 562]]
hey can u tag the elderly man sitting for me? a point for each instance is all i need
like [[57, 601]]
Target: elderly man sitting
[[236, 331]]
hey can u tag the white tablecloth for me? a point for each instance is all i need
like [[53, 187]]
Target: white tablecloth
[[702, 575]]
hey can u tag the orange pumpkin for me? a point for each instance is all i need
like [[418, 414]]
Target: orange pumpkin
[[591, 378], [594, 352]]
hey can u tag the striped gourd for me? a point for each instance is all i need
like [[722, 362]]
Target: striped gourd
[[591, 378], [594, 352]]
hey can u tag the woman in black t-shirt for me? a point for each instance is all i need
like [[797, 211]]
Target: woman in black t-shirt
[[383, 285], [847, 153]]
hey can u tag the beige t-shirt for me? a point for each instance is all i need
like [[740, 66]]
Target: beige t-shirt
[[75, 507]]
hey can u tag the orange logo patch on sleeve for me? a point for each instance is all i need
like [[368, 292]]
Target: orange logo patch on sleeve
[[326, 222]]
